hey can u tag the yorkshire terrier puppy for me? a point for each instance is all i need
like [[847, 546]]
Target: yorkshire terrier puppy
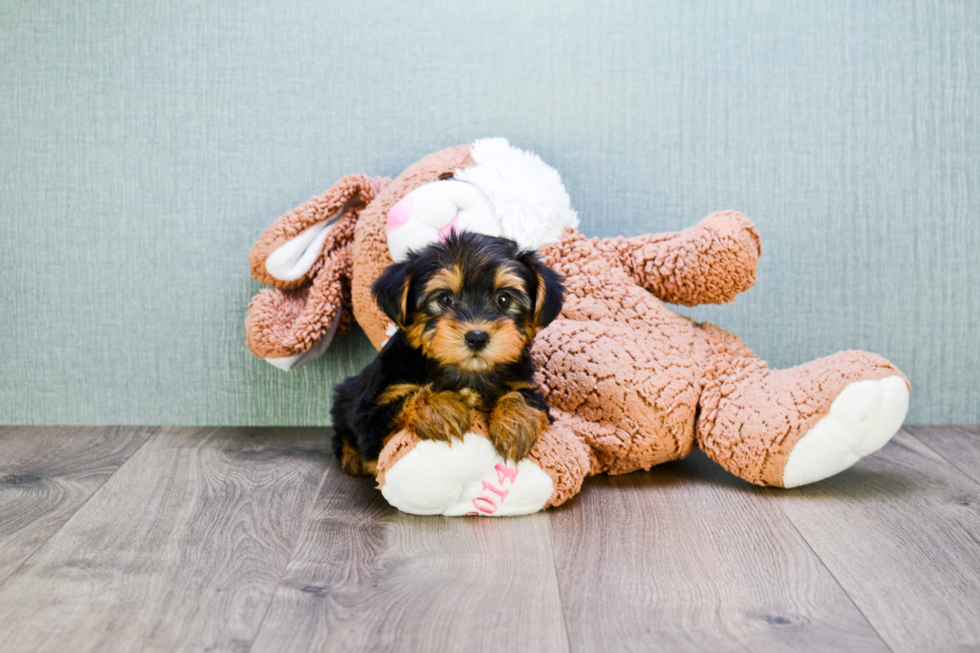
[[467, 310]]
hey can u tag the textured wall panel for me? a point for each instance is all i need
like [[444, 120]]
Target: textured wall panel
[[144, 146]]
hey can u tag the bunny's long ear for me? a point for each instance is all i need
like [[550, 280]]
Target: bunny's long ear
[[306, 255], [291, 327], [290, 252]]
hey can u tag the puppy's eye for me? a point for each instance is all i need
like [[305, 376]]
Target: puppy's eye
[[503, 301], [446, 300]]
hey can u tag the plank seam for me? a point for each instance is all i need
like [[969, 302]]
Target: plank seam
[[292, 554], [561, 598], [968, 474], [82, 504], [772, 493]]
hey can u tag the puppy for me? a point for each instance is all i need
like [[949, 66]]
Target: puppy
[[467, 310]]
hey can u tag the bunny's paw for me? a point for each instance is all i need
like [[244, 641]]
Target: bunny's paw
[[465, 477]]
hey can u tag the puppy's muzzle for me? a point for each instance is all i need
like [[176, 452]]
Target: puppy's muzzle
[[476, 340]]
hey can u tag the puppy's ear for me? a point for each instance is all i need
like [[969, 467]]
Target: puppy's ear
[[549, 289], [390, 291]]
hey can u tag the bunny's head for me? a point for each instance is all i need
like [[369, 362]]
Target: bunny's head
[[323, 256]]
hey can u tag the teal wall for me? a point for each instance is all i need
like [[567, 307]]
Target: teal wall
[[145, 145]]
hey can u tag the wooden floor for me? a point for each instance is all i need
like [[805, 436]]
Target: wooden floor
[[229, 539]]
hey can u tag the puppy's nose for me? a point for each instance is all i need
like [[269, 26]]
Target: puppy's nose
[[477, 340]]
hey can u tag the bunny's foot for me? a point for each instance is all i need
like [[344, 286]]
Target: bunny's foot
[[465, 477], [469, 477], [787, 428], [863, 417]]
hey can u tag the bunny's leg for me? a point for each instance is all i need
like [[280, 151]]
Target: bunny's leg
[[791, 427], [634, 400]]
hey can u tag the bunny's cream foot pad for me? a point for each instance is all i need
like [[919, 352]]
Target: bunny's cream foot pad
[[464, 478], [862, 419]]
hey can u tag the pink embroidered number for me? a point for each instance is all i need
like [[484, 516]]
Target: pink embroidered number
[[493, 497], [505, 472]]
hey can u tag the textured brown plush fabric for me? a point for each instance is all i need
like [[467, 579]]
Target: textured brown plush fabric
[[631, 383], [286, 321], [396, 448], [353, 193], [565, 455], [649, 384], [751, 416], [709, 263]]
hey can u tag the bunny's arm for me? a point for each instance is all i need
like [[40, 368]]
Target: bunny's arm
[[709, 263]]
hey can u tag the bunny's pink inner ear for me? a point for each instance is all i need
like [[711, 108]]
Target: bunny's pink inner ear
[[294, 258]]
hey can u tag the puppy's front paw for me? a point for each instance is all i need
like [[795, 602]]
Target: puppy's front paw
[[436, 415], [352, 464], [515, 426]]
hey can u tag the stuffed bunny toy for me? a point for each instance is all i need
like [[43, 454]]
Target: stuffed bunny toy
[[630, 382]]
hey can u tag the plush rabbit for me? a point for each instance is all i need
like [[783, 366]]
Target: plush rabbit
[[631, 383]]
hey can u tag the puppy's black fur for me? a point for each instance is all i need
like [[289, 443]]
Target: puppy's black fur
[[442, 299]]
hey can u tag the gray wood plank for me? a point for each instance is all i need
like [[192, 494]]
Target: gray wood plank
[[958, 445], [368, 578], [49, 472], [689, 558], [180, 550], [900, 531]]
